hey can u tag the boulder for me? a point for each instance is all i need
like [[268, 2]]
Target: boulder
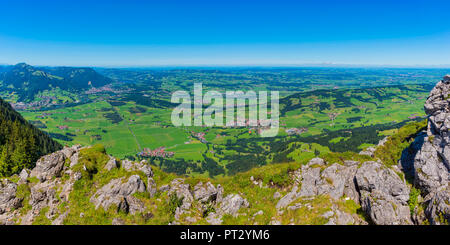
[[151, 187], [205, 194], [138, 166], [43, 195], [68, 152], [74, 159], [116, 192], [334, 181], [8, 199], [384, 196], [111, 164], [134, 205], [368, 152], [49, 166], [118, 221], [183, 191], [232, 203], [288, 198], [24, 175]]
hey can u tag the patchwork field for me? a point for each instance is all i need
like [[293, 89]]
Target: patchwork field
[[127, 127]]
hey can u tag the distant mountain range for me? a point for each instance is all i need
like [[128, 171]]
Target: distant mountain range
[[27, 80]]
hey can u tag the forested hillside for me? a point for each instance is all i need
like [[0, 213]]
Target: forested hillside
[[21, 144], [27, 81]]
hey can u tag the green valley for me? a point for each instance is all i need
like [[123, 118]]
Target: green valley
[[322, 110]]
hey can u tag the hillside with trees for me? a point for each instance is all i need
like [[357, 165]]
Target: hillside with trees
[[21, 144]]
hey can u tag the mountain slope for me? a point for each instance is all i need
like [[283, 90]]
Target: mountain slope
[[27, 80], [21, 144]]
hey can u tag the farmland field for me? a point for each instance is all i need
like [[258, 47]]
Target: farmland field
[[331, 109]]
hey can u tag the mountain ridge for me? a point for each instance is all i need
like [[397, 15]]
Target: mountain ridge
[[27, 80]]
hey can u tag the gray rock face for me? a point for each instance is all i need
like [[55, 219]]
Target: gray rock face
[[438, 209], [232, 203], [384, 195], [43, 194], [432, 160], [72, 153], [74, 159], [288, 199], [430, 171], [128, 165], [335, 181], [118, 193], [311, 177], [138, 166], [183, 191], [8, 199], [49, 166], [23, 176], [151, 187], [68, 152], [368, 152], [111, 164], [134, 205], [205, 194], [117, 221]]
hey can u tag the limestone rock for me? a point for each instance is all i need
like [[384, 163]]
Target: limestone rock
[[116, 192], [118, 221], [288, 198], [49, 166], [384, 195], [183, 191], [335, 181], [8, 199], [23, 176], [438, 209], [134, 205], [138, 166], [151, 187], [111, 164], [368, 152], [232, 204], [430, 171], [205, 194]]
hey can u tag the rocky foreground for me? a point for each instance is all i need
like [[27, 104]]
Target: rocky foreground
[[85, 186]]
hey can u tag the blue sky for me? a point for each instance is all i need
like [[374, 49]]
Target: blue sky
[[161, 33]]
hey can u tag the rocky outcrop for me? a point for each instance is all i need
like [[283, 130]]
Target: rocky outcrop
[[8, 199], [384, 196], [438, 209], [232, 204], [208, 193], [49, 166], [111, 164], [118, 193], [183, 192], [57, 175], [431, 160], [142, 166]]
